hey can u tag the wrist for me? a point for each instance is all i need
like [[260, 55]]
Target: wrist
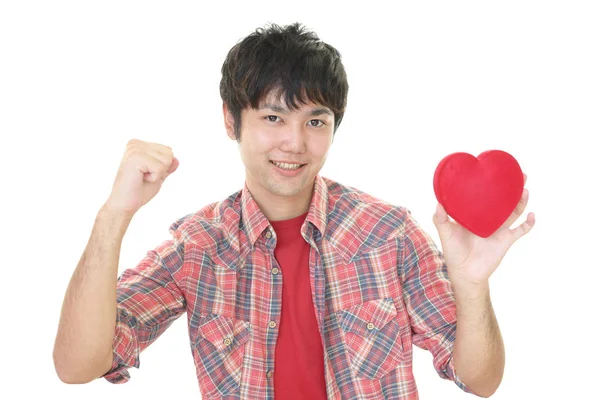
[[114, 217], [470, 290]]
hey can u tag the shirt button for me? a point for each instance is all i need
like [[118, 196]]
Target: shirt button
[[370, 326], [227, 342], [268, 234], [275, 271], [272, 324], [269, 374]]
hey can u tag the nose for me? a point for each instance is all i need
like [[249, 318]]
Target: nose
[[293, 139]]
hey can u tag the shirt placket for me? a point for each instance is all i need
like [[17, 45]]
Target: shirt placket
[[317, 286], [274, 311]]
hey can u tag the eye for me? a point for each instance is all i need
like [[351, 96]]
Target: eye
[[272, 118], [317, 123]]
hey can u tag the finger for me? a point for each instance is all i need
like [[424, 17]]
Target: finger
[[153, 145], [165, 150], [170, 162], [518, 210], [174, 166], [440, 216], [152, 167], [442, 222], [158, 150], [524, 228], [524, 179], [165, 159]]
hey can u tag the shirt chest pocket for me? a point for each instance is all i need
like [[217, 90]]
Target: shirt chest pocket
[[219, 354], [372, 337]]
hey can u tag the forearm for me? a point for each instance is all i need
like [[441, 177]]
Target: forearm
[[478, 346], [83, 345]]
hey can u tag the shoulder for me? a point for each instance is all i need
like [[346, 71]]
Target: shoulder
[[344, 201], [358, 222], [211, 226]]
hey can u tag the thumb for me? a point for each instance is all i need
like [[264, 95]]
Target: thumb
[[173, 167], [442, 222]]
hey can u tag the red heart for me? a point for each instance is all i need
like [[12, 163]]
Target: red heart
[[479, 193]]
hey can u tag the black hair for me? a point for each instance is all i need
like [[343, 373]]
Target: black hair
[[289, 61]]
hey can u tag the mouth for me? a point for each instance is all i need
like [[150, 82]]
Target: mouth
[[287, 166]]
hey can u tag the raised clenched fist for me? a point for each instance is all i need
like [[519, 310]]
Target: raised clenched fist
[[143, 169]]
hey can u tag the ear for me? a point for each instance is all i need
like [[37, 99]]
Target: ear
[[229, 122]]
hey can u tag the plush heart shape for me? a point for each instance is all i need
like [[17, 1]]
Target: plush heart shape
[[479, 193]]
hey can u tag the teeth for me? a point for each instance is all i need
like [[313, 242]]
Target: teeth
[[287, 166]]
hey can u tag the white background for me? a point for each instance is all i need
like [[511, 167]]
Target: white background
[[79, 79]]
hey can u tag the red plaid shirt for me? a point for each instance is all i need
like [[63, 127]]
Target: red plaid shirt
[[378, 282]]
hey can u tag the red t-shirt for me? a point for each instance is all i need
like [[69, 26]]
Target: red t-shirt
[[299, 360]]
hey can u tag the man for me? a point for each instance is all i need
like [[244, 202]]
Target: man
[[296, 286]]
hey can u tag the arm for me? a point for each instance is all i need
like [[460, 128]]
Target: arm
[[103, 319], [146, 302], [83, 345], [429, 298], [149, 300], [471, 260], [478, 347]]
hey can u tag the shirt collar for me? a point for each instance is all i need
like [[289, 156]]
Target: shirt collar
[[317, 212], [254, 221]]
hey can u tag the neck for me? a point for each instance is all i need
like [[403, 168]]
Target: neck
[[280, 208]]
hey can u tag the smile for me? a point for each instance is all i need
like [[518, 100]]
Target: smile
[[287, 166]]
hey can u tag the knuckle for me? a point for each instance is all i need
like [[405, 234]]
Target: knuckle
[[166, 150], [133, 152]]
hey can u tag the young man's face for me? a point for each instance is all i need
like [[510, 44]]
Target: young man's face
[[283, 149]]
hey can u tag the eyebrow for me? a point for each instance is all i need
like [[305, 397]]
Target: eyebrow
[[279, 109]]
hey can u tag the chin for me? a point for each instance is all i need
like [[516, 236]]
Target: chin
[[285, 192], [289, 190]]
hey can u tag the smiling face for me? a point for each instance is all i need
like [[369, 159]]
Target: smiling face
[[283, 149], [284, 95]]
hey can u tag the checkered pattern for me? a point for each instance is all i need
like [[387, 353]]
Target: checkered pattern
[[378, 283]]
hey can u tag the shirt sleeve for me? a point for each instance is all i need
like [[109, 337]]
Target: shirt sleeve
[[148, 302], [429, 299]]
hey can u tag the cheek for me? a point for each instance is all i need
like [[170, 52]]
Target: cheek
[[261, 142], [264, 143], [320, 146], [254, 152]]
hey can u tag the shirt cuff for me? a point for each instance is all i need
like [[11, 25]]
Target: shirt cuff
[[449, 372], [125, 349]]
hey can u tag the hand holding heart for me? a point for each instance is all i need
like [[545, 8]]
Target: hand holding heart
[[471, 259]]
